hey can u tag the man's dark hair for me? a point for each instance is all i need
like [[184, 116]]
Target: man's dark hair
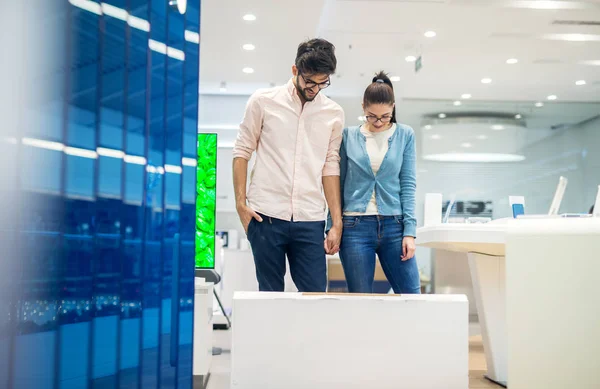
[[316, 56]]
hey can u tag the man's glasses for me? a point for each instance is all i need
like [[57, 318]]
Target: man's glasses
[[375, 119], [311, 84]]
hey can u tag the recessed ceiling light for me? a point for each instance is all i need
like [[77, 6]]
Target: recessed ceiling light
[[593, 62], [474, 157], [249, 46], [466, 96], [466, 145], [518, 116], [482, 137], [395, 78], [573, 37], [249, 17], [410, 58], [248, 70], [539, 104], [580, 82], [512, 61], [442, 115], [430, 34], [436, 137], [457, 103], [486, 80], [497, 127], [548, 4], [428, 127], [552, 97]]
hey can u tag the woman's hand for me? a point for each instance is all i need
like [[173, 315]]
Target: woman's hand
[[408, 248]]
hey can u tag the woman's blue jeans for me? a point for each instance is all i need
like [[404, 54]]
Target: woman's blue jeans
[[366, 236]]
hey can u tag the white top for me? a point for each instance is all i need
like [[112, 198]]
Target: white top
[[377, 147]]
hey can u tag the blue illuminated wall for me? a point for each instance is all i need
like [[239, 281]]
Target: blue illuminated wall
[[106, 171]]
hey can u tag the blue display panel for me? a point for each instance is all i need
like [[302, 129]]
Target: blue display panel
[[103, 267]]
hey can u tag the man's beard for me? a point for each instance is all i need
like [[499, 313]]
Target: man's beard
[[303, 92]]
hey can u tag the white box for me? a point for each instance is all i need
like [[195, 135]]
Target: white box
[[553, 304], [292, 340], [203, 326]]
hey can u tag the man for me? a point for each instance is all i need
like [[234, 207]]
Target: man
[[296, 133]]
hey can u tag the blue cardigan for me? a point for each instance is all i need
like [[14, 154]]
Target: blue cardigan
[[394, 184]]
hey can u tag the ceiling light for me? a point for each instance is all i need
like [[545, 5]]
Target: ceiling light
[[539, 104], [248, 70], [548, 4], [466, 96], [457, 103], [442, 115], [512, 61], [430, 34], [249, 17], [428, 127], [518, 116], [593, 62], [435, 137], [466, 145], [395, 78], [410, 58], [486, 80], [362, 118], [552, 97], [474, 157], [497, 127], [482, 137], [573, 37], [580, 82], [249, 47]]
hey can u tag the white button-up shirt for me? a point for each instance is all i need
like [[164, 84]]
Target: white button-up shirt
[[295, 147]]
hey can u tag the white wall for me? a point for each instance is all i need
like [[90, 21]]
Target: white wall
[[573, 153]]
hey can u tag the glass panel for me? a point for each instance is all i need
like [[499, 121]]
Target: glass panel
[[105, 247]]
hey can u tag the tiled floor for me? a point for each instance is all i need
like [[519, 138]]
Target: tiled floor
[[221, 365]]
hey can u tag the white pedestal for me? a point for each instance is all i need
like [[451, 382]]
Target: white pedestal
[[484, 245], [203, 327], [489, 286], [324, 341], [553, 304]]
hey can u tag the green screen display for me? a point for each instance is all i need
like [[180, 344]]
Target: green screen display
[[206, 200]]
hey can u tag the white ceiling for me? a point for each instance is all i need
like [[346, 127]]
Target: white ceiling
[[474, 40]]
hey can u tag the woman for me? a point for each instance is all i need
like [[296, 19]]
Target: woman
[[378, 182]]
